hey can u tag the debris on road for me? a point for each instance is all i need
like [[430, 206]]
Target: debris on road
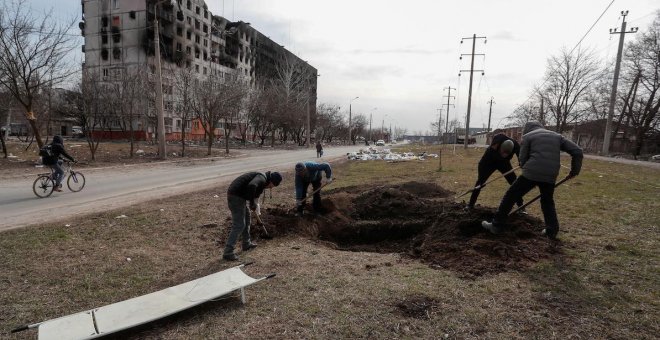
[[373, 154]]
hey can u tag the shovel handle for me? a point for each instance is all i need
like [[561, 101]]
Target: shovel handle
[[537, 197], [491, 181]]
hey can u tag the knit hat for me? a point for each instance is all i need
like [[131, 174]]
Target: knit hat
[[300, 167], [275, 178]]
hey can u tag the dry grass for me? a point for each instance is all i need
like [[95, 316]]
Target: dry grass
[[605, 286]]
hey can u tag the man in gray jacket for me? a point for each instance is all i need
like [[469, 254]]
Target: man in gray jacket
[[539, 159]]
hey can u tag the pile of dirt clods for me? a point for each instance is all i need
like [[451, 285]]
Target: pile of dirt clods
[[422, 221]]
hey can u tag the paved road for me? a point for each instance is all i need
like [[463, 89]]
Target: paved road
[[113, 188]]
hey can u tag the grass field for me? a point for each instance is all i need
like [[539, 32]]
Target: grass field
[[604, 285]]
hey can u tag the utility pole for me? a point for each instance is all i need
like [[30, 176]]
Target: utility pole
[[350, 118], [439, 123], [490, 111], [542, 113], [471, 70], [370, 117], [449, 96], [615, 82], [162, 152]]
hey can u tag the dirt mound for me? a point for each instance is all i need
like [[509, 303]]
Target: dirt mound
[[403, 219]]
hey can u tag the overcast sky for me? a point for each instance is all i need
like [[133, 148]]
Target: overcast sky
[[397, 56]]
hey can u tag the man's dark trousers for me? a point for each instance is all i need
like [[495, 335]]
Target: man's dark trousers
[[485, 170], [517, 190]]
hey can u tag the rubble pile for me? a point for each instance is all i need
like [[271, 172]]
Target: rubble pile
[[373, 154]]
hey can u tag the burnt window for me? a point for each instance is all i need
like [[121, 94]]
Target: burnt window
[[196, 24], [188, 35], [205, 29], [116, 53], [206, 14], [197, 10], [104, 54], [104, 21], [189, 5], [104, 38], [179, 31], [131, 14], [197, 38], [178, 47]]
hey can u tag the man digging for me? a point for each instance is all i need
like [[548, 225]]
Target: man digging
[[539, 159], [245, 190], [310, 173], [496, 157]]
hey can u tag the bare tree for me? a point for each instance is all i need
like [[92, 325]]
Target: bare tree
[[293, 84], [184, 80], [33, 50], [330, 122], [568, 78]]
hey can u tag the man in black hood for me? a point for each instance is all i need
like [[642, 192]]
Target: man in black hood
[[539, 159], [51, 158], [496, 157]]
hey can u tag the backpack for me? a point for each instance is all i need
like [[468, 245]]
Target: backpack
[[46, 153]]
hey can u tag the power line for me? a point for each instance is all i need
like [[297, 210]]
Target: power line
[[569, 54]]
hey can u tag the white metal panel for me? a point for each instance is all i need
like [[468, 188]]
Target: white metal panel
[[74, 326], [133, 312], [140, 310]]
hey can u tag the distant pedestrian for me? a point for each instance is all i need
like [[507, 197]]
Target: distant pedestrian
[[243, 191], [319, 149], [310, 173], [539, 159], [496, 157]]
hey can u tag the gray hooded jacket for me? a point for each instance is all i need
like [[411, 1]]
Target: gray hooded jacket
[[540, 151]]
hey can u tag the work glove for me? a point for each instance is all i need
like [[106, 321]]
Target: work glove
[[258, 209], [328, 181]]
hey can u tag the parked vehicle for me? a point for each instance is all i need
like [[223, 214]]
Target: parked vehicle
[[380, 142]]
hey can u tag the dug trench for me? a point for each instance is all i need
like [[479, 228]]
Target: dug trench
[[418, 220]]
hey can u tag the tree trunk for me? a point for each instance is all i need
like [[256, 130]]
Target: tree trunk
[[210, 143], [183, 138], [35, 129], [2, 140]]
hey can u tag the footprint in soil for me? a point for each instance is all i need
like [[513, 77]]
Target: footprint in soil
[[401, 218]]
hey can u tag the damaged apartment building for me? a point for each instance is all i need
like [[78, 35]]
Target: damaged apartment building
[[119, 40]]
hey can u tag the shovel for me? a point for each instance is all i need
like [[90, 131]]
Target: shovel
[[317, 190], [267, 236], [483, 185], [537, 197]]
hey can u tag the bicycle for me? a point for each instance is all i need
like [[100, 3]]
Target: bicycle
[[44, 185]]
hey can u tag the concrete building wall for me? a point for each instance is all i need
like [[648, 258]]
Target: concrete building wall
[[119, 37]]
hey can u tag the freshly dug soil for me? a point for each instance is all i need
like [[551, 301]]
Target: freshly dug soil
[[419, 220]]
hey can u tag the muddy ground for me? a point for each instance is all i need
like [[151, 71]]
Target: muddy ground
[[421, 221]]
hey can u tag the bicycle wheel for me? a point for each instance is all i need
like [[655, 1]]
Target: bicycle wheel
[[76, 181], [43, 186]]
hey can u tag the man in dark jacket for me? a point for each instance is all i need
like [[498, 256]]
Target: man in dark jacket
[[539, 159], [245, 190], [56, 151], [310, 173], [496, 157]]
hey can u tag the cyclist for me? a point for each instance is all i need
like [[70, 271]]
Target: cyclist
[[56, 151]]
